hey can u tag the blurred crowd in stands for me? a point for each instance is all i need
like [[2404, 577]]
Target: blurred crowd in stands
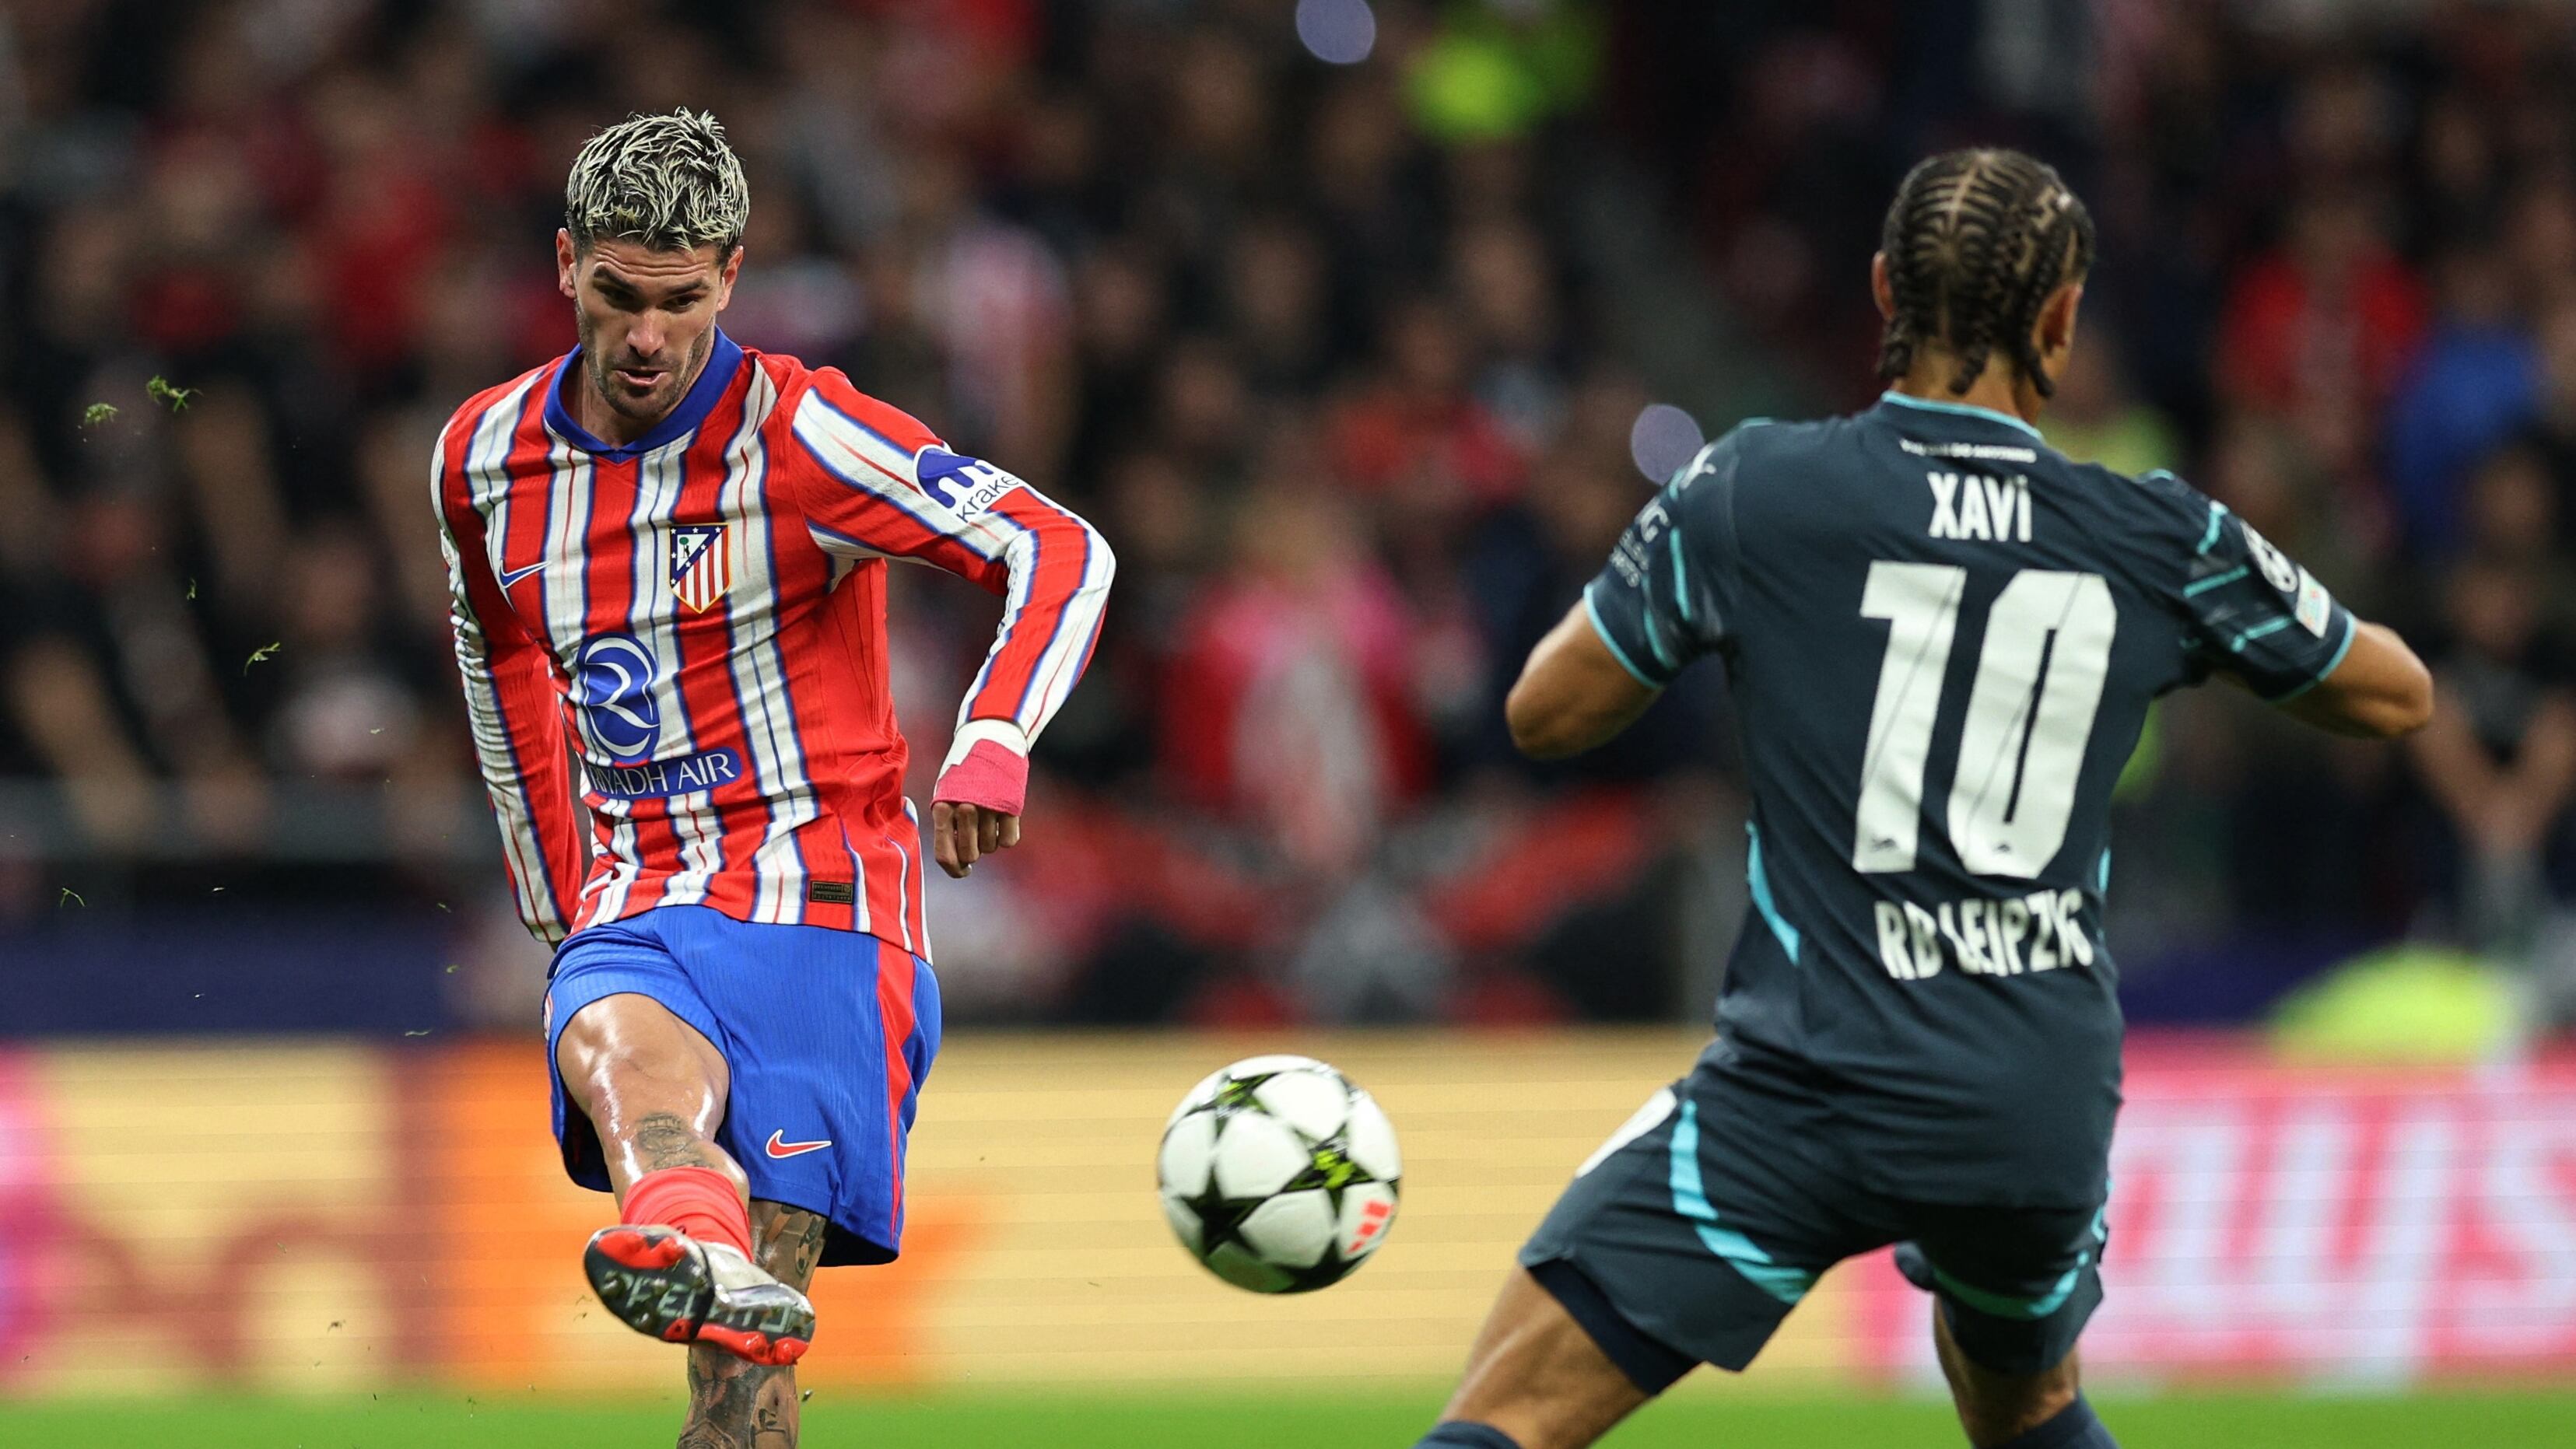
[[1343, 320]]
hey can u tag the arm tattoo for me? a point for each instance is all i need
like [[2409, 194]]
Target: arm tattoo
[[737, 1405], [666, 1141]]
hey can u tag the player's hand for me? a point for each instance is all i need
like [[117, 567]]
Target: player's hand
[[975, 809], [960, 834]]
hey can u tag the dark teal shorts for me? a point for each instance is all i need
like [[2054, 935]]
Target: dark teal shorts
[[1689, 1240]]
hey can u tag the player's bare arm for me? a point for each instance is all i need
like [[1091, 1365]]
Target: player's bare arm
[[2380, 691], [1573, 694]]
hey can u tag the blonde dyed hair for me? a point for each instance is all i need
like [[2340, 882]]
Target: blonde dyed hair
[[668, 181]]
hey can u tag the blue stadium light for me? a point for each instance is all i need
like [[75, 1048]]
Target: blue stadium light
[[1337, 32], [1662, 439]]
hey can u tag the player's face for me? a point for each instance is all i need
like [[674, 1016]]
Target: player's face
[[647, 318]]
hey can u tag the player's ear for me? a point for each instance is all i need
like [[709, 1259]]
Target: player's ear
[[2057, 319], [565, 261], [729, 269], [1879, 289]]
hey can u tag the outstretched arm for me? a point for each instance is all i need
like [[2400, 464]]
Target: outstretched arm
[[2380, 690], [881, 485], [1573, 694], [2258, 620]]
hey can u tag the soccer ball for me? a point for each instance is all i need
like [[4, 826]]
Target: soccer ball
[[1279, 1175]]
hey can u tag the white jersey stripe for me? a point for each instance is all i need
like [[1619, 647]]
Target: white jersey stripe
[[903, 888], [845, 550], [505, 779], [1058, 669], [571, 498], [837, 442], [870, 446], [1023, 554], [923, 949], [659, 477], [759, 669]]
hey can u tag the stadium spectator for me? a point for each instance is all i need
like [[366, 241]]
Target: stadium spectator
[[2500, 754], [2472, 384]]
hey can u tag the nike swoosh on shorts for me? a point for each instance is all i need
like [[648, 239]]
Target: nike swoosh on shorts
[[779, 1147]]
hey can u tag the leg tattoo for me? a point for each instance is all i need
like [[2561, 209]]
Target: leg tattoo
[[789, 1242], [738, 1405], [666, 1141]]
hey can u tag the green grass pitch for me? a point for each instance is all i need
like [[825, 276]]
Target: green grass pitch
[[2521, 1419]]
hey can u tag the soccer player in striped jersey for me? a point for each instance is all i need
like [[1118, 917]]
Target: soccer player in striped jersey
[[1942, 637], [668, 556]]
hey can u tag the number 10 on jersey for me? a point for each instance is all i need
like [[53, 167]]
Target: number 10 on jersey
[[2029, 715]]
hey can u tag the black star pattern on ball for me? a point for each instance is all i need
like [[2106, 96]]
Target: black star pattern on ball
[[1329, 1168]]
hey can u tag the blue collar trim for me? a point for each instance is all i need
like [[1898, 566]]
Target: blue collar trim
[[724, 360], [1965, 410]]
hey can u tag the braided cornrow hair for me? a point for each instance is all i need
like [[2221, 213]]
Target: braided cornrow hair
[[1975, 243]]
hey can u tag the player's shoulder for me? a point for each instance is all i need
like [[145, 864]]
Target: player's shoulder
[[471, 413], [2157, 504], [1762, 439], [824, 399], [1767, 471], [1713, 471], [1781, 447]]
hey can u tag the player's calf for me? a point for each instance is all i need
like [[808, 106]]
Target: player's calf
[[1536, 1379], [2045, 1410], [738, 1404]]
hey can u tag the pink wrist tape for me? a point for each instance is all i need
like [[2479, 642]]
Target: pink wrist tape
[[990, 777]]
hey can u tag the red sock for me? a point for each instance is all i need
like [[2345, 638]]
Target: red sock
[[699, 1201]]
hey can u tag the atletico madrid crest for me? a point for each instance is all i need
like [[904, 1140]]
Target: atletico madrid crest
[[701, 566]]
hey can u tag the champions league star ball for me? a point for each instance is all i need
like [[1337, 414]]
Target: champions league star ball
[[1279, 1175]]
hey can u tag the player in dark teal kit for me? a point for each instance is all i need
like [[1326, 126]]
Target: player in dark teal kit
[[1942, 639]]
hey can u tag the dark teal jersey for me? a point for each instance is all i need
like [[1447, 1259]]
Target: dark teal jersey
[[1942, 639]]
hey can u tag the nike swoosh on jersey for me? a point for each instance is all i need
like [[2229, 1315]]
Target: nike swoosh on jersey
[[779, 1147], [511, 579]]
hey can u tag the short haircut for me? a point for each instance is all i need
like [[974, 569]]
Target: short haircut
[[668, 181], [1975, 242]]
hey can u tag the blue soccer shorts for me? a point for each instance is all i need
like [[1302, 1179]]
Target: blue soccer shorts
[[827, 1036]]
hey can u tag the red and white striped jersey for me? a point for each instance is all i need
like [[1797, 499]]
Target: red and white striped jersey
[[688, 634]]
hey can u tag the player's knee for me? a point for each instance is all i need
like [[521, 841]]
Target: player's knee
[[637, 1047]]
